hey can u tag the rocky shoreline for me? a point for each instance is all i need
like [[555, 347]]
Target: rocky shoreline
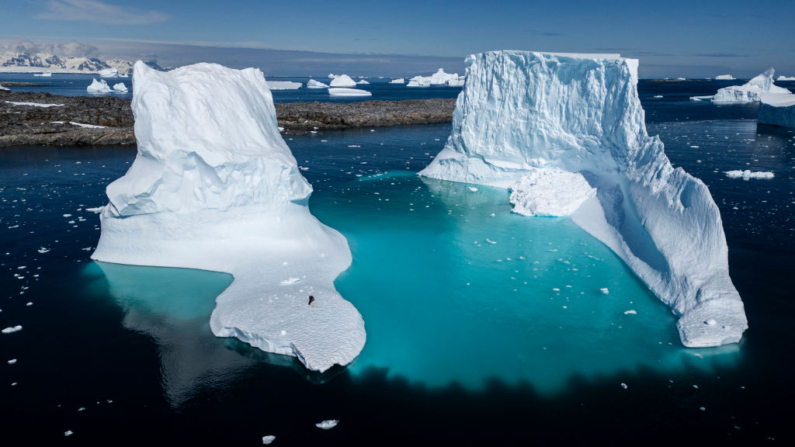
[[106, 120]]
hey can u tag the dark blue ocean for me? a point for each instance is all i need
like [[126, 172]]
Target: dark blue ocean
[[468, 342]]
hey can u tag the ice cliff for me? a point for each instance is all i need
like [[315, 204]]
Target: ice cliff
[[567, 132], [777, 109], [750, 91], [215, 187]]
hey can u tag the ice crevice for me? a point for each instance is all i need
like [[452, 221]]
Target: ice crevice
[[215, 187], [566, 134]]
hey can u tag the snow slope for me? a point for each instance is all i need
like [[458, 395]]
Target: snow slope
[[523, 112], [777, 109], [750, 91], [215, 187]]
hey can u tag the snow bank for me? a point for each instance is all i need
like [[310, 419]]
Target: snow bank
[[580, 114], [398, 81], [750, 91], [315, 84], [98, 86], [108, 73], [120, 88], [724, 78], [342, 81], [221, 191], [777, 109], [348, 92], [748, 175], [284, 85]]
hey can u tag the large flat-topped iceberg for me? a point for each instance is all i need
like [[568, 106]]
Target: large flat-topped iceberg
[[750, 91], [777, 109], [524, 120], [215, 187]]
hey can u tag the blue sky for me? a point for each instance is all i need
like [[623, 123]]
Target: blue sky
[[672, 38]]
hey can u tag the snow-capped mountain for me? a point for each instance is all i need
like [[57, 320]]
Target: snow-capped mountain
[[36, 62]]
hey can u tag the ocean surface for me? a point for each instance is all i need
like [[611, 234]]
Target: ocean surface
[[484, 327]]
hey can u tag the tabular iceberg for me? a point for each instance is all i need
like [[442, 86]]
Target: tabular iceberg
[[348, 92], [98, 86], [398, 81], [525, 119], [284, 85], [215, 187], [777, 109], [342, 81], [724, 77], [750, 91]]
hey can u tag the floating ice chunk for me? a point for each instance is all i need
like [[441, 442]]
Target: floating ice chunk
[[34, 104], [12, 329], [68, 433], [120, 88], [4, 89], [363, 82], [284, 85], [327, 425], [109, 73], [289, 281], [539, 193], [473, 189], [747, 175], [605, 290], [750, 91], [12, 362], [624, 385], [521, 111], [96, 210], [724, 77], [348, 92], [342, 81], [315, 84], [785, 78], [98, 86], [455, 83], [658, 96], [268, 439], [630, 312], [398, 81], [701, 98], [419, 83], [438, 78]]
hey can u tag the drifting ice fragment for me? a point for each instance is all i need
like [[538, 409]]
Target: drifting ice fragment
[[12, 329], [268, 439], [747, 175], [327, 425]]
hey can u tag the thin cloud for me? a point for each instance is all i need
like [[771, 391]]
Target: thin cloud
[[97, 11]]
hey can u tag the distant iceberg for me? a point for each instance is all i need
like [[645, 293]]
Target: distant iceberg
[[784, 78], [98, 86], [315, 84], [342, 81], [398, 81], [724, 78], [3, 88], [438, 78], [750, 91], [455, 83], [284, 85], [108, 73], [348, 92], [423, 82], [363, 82], [221, 191], [747, 175], [777, 109], [46, 74], [120, 88], [567, 132]]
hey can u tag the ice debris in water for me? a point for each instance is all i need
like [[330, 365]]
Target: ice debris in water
[[747, 174], [268, 439], [327, 425], [605, 290], [12, 329]]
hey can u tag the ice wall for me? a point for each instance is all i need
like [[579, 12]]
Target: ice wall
[[215, 187], [525, 112], [777, 109]]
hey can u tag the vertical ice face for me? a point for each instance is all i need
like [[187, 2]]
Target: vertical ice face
[[777, 109], [524, 117], [215, 187]]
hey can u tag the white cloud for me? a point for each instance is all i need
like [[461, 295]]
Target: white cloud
[[97, 11]]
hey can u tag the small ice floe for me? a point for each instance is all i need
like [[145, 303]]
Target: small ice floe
[[67, 215], [702, 408], [624, 385], [630, 312], [268, 439], [289, 281], [29, 303], [490, 241], [327, 425], [96, 210], [12, 329], [43, 250], [658, 96], [12, 362], [68, 433], [604, 290], [473, 189], [747, 175]]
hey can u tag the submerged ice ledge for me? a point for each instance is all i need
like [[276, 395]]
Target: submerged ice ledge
[[525, 118], [222, 192]]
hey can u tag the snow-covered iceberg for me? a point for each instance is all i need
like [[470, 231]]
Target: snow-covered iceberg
[[120, 88], [727, 77], [348, 92], [221, 191], [98, 86], [438, 78], [398, 81], [524, 116], [315, 84], [284, 85], [777, 109], [750, 91], [108, 73], [342, 81]]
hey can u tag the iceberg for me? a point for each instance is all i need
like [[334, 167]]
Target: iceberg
[[785, 78], [724, 78], [455, 83], [438, 78], [342, 81], [284, 85], [4, 89], [363, 82], [46, 74], [750, 91], [777, 109], [398, 81], [98, 86], [120, 88], [529, 121], [348, 92], [315, 84], [108, 73], [221, 191], [748, 175]]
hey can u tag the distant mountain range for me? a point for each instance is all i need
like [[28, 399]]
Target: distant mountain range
[[41, 62]]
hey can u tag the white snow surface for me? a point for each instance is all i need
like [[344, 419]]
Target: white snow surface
[[523, 111], [98, 86], [284, 85], [3, 88], [34, 104], [120, 88], [315, 84], [398, 81], [550, 192], [777, 109], [750, 91], [747, 174], [221, 191], [348, 92], [724, 77], [342, 81]]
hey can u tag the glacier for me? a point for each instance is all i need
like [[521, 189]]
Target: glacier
[[750, 91], [98, 86], [342, 81], [524, 114], [215, 187], [777, 109]]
